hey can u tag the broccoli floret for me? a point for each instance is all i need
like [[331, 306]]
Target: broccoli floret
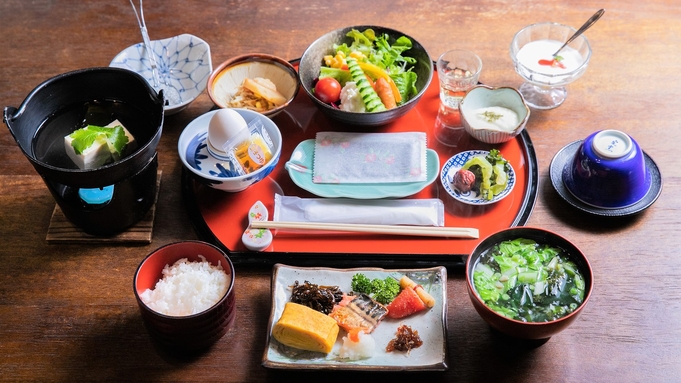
[[381, 290], [361, 284], [390, 289], [377, 285]]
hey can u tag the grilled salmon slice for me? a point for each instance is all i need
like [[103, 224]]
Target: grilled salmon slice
[[361, 312]]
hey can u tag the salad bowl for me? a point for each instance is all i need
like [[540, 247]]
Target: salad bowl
[[313, 59]]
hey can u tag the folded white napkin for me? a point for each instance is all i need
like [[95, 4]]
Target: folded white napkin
[[422, 212]]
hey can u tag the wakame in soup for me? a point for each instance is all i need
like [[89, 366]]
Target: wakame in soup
[[526, 281]]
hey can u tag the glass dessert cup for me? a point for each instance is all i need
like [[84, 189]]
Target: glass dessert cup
[[544, 86]]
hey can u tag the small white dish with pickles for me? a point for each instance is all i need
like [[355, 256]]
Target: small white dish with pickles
[[462, 177]]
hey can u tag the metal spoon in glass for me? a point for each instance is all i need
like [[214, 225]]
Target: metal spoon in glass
[[592, 20], [171, 94]]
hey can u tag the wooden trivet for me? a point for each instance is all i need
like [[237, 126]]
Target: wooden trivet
[[61, 230]]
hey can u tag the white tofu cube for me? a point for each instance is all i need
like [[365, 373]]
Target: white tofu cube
[[99, 153]]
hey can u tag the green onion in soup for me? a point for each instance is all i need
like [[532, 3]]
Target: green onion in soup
[[526, 281]]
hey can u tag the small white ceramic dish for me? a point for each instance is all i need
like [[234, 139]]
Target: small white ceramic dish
[[300, 169], [183, 61], [217, 173], [431, 324], [225, 81], [483, 97], [471, 197]]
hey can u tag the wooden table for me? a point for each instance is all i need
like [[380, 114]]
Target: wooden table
[[67, 312]]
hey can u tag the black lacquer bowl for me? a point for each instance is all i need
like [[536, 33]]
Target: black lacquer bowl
[[312, 60]]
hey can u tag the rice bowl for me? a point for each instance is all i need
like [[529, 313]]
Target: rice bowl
[[187, 288]]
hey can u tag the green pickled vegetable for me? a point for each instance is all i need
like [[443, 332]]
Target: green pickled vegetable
[[491, 173], [526, 281]]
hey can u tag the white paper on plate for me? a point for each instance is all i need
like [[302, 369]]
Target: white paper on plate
[[369, 157]]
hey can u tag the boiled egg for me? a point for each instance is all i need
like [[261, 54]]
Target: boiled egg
[[225, 125]]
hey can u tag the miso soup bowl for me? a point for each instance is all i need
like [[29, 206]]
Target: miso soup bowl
[[534, 331], [608, 171], [191, 333], [483, 96]]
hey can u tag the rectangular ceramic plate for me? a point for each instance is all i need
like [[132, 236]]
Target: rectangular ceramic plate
[[431, 324]]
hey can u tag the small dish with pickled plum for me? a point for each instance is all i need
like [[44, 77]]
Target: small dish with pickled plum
[[478, 177], [304, 299]]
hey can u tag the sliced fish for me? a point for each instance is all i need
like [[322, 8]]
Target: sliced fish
[[361, 312]]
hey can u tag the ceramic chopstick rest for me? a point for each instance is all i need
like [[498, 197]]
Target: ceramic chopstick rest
[[257, 239]]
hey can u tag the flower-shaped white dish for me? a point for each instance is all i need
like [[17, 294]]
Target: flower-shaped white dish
[[471, 197], [431, 324], [183, 61], [482, 97]]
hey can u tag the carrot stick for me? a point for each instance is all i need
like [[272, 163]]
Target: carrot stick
[[385, 93]]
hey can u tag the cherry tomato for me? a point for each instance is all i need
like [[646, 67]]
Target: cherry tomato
[[328, 89]]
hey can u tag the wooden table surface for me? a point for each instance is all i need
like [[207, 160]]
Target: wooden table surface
[[67, 311]]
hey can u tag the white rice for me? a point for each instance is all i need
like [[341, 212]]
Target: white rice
[[187, 288], [363, 349]]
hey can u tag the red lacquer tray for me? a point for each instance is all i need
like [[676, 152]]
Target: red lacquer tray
[[221, 217]]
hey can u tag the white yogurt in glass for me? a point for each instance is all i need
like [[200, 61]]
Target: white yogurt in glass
[[532, 53]]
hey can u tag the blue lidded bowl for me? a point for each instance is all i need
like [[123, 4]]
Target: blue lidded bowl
[[608, 171]]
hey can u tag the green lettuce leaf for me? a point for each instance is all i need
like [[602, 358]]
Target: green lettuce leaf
[[114, 138], [342, 76], [406, 84]]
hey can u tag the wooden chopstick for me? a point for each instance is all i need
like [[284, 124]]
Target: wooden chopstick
[[428, 231]]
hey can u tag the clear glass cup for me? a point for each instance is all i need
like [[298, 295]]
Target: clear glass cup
[[458, 71], [544, 86]]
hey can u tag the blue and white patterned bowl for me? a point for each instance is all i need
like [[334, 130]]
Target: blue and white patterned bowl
[[471, 197], [184, 61], [216, 173]]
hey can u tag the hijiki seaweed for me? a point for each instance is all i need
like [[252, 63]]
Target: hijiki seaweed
[[320, 298]]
